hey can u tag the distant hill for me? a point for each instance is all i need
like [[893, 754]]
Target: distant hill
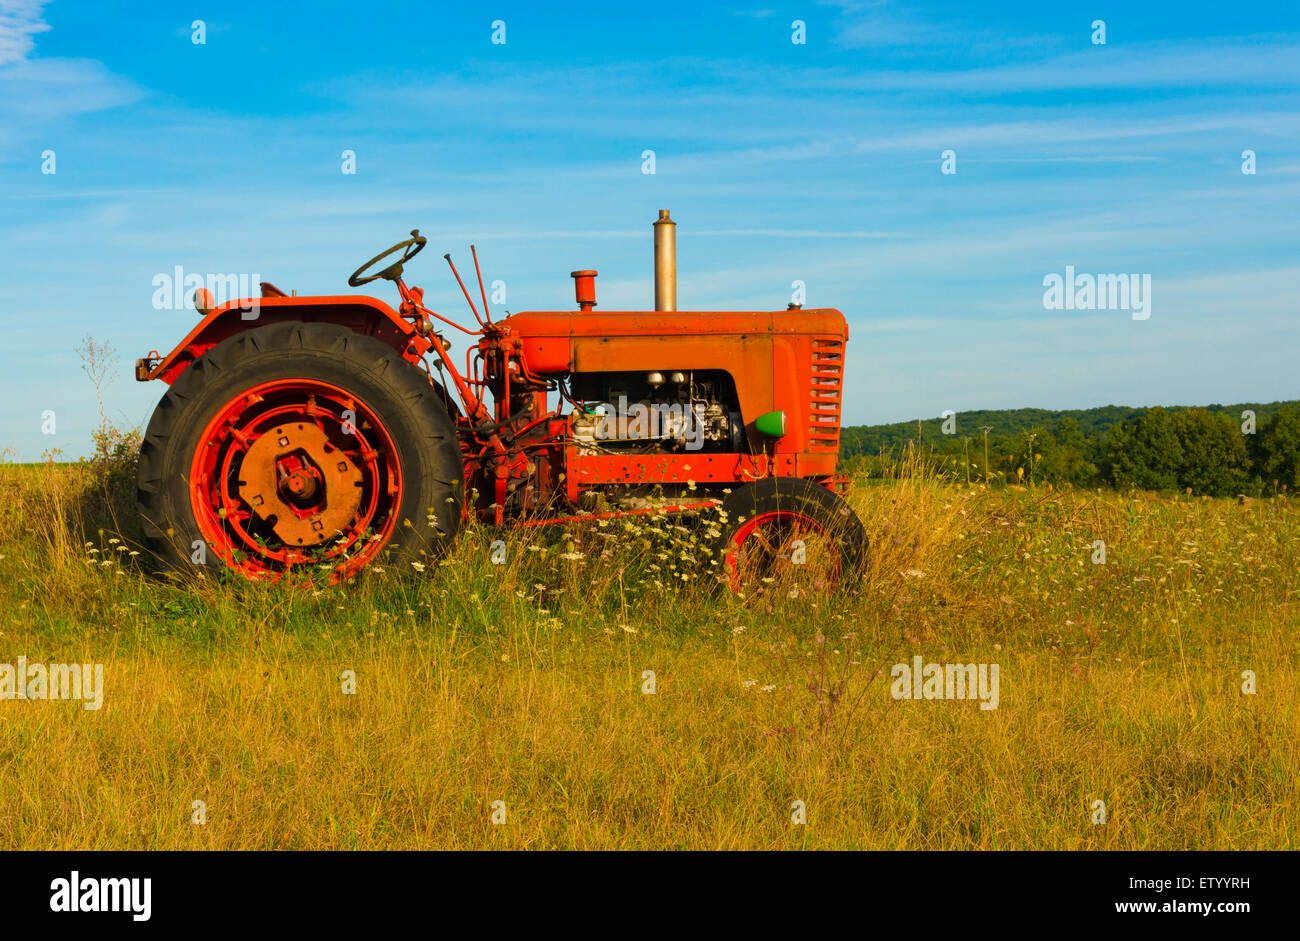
[[870, 440], [1217, 450]]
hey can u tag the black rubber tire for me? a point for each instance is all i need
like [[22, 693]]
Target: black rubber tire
[[798, 494], [398, 393]]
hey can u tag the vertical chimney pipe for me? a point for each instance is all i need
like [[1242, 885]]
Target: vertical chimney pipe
[[665, 262]]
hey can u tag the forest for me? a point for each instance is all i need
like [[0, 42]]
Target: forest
[[1251, 449]]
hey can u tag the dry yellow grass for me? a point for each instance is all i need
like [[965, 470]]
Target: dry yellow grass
[[523, 684]]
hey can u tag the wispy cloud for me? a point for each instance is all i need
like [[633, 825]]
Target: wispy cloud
[[35, 92], [1265, 61], [878, 23], [20, 20], [46, 90]]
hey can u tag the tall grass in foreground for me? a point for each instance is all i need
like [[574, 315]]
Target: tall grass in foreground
[[523, 683]]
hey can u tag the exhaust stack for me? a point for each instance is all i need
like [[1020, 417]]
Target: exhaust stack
[[665, 262]]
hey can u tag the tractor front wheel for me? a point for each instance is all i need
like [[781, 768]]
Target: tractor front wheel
[[299, 448], [789, 533]]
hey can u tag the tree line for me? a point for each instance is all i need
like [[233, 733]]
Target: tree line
[[1217, 450]]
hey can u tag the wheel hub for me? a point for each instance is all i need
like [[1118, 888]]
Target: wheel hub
[[292, 474], [299, 481]]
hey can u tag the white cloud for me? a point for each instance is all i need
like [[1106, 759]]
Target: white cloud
[[20, 20], [1267, 61], [36, 91], [41, 90]]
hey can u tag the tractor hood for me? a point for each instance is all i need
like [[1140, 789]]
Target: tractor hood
[[738, 341], [658, 323]]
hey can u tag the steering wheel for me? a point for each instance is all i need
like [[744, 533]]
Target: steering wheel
[[409, 249]]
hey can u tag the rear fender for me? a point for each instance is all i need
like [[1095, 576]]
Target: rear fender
[[367, 315]]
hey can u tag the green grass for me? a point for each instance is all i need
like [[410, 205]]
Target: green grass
[[522, 683]]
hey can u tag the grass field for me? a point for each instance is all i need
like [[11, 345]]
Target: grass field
[[523, 683]]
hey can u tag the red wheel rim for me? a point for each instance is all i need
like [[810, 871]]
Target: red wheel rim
[[295, 473], [768, 538]]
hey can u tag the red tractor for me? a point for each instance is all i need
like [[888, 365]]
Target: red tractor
[[321, 432]]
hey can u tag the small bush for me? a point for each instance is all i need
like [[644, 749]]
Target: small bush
[[110, 496]]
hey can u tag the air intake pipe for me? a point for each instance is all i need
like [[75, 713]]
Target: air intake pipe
[[665, 262], [584, 288]]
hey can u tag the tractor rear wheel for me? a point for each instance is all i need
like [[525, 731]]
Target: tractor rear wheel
[[300, 449], [790, 533]]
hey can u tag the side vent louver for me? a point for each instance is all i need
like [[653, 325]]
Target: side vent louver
[[827, 381]]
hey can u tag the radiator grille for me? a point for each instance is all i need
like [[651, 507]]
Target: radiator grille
[[827, 382]]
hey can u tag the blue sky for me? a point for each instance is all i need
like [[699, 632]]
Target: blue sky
[[818, 162]]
